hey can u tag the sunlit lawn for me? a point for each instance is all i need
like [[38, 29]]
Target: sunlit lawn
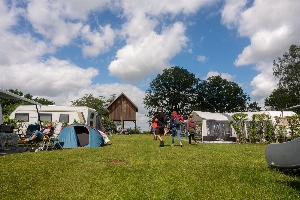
[[134, 167]]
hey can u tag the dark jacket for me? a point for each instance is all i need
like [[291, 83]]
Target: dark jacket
[[161, 118]]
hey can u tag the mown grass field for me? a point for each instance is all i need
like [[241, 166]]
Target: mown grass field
[[134, 167]]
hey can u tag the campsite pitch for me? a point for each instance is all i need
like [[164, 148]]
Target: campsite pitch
[[134, 167]]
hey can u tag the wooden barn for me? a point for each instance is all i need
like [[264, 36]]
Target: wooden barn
[[122, 109]]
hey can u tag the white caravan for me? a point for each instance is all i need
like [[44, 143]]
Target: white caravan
[[63, 114]]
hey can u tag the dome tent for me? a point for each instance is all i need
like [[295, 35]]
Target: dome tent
[[79, 135]]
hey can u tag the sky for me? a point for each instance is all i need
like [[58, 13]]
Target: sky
[[62, 50]]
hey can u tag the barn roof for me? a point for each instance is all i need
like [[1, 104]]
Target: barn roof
[[126, 98]]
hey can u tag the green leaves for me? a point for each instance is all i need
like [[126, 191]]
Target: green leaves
[[99, 104], [219, 95], [179, 90], [287, 71], [174, 89]]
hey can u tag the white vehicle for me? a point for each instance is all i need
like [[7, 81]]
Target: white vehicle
[[63, 114]]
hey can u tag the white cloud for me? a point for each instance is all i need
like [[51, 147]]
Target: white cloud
[[8, 17], [226, 76], [53, 78], [21, 48], [148, 55], [264, 83], [271, 25], [48, 19], [202, 58], [231, 12], [158, 7], [99, 43]]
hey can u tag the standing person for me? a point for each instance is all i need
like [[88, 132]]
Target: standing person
[[109, 131], [175, 127], [154, 125], [191, 129], [160, 119]]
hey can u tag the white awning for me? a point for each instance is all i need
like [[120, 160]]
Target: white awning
[[212, 116], [9, 95]]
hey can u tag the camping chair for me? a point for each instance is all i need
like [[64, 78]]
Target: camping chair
[[53, 138], [47, 140], [30, 130]]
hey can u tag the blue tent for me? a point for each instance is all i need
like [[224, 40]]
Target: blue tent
[[79, 135]]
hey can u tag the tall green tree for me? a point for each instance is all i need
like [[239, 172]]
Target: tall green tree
[[286, 70], [219, 95], [99, 104], [174, 89]]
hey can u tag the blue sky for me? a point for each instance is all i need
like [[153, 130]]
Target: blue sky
[[61, 50]]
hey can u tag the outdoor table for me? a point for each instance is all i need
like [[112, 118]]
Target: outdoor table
[[9, 138]]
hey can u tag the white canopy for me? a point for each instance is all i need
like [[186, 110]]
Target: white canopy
[[212, 116]]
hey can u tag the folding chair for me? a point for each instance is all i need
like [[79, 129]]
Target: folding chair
[[57, 130]]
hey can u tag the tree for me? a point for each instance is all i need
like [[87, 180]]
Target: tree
[[280, 99], [219, 95], [253, 107], [286, 70], [92, 102], [174, 89]]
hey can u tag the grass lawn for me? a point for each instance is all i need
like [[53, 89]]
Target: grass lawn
[[134, 167]]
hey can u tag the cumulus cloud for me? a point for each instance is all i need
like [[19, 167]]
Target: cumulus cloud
[[264, 83], [148, 55], [51, 78], [226, 76], [202, 58], [21, 48], [98, 43], [231, 12], [271, 25], [48, 19], [8, 17], [158, 7]]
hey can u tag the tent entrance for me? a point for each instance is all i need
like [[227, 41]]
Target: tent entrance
[[218, 130], [82, 135]]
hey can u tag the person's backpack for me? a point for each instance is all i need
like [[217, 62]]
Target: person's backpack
[[177, 120]]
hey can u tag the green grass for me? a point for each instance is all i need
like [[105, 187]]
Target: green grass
[[207, 171]]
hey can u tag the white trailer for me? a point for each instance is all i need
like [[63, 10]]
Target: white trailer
[[63, 114]]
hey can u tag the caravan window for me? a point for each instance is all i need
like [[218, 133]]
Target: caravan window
[[24, 116], [45, 117], [64, 118]]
